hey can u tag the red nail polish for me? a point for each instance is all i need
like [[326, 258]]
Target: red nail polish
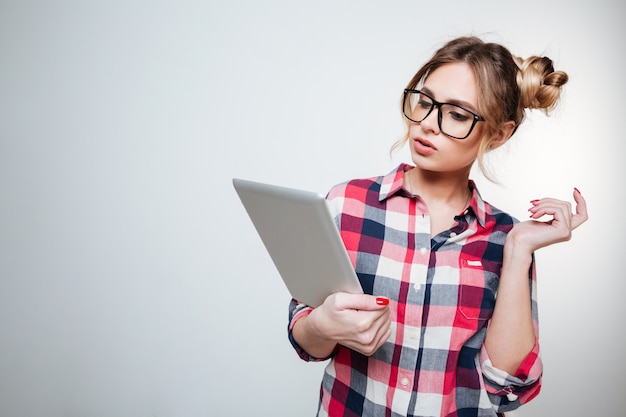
[[577, 190], [381, 301], [534, 201]]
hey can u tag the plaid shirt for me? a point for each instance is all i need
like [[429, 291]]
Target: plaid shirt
[[442, 292]]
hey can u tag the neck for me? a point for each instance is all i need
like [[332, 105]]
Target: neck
[[438, 188]]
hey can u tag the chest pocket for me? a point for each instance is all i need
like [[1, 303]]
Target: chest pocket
[[477, 289]]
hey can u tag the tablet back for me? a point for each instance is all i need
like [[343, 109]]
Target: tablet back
[[302, 239]]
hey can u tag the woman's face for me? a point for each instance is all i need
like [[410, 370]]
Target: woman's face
[[431, 150]]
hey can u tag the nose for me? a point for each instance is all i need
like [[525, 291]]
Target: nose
[[431, 122]]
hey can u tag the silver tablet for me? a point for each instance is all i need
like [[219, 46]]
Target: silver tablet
[[302, 239]]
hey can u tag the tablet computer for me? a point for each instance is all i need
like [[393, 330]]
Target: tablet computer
[[301, 237]]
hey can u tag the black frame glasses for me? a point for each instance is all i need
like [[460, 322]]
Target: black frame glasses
[[434, 103]]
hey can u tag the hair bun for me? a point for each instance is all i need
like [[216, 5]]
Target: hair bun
[[539, 84]]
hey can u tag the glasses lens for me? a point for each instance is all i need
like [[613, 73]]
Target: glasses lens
[[454, 121], [417, 106]]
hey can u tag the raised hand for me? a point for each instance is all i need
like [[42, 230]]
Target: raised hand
[[535, 234]]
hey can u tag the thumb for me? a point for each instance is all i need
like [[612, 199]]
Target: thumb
[[581, 215], [365, 302]]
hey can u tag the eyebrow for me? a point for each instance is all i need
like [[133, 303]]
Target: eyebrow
[[460, 103]]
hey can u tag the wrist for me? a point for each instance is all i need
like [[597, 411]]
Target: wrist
[[516, 250], [314, 327], [310, 336], [515, 244]]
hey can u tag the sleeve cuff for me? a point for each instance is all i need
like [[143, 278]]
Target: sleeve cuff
[[298, 311], [520, 387]]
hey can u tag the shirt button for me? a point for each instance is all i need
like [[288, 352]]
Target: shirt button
[[404, 382], [417, 286], [423, 251], [452, 234], [412, 335]]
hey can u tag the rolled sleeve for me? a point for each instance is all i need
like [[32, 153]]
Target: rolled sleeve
[[297, 311], [507, 392]]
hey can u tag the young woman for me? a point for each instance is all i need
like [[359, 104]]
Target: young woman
[[448, 322]]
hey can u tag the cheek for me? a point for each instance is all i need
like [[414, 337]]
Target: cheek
[[474, 140], [467, 152], [480, 132], [479, 137]]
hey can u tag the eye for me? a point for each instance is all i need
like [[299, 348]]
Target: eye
[[459, 117], [458, 114], [425, 104]]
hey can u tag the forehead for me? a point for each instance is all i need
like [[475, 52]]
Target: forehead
[[453, 82]]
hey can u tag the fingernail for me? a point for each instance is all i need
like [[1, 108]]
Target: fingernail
[[382, 301], [577, 190], [534, 201]]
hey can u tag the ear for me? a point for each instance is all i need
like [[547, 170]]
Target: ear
[[503, 134]]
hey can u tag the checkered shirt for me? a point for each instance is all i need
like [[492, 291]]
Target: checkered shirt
[[442, 294]]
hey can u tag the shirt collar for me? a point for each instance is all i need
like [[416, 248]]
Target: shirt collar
[[393, 183]]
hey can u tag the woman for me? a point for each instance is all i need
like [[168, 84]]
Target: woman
[[429, 337]]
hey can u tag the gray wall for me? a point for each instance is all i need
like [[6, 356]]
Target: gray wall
[[131, 281]]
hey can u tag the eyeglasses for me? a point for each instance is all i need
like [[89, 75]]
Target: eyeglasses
[[454, 121]]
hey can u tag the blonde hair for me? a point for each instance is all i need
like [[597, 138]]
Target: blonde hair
[[507, 85]]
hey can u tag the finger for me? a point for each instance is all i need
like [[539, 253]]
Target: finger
[[382, 338], [581, 215], [559, 210], [363, 302], [385, 330], [549, 202], [378, 336]]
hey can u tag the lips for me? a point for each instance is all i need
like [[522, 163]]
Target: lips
[[424, 147]]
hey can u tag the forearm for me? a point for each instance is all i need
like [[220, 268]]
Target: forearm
[[511, 333]]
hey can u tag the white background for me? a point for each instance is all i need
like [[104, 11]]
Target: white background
[[132, 282]]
